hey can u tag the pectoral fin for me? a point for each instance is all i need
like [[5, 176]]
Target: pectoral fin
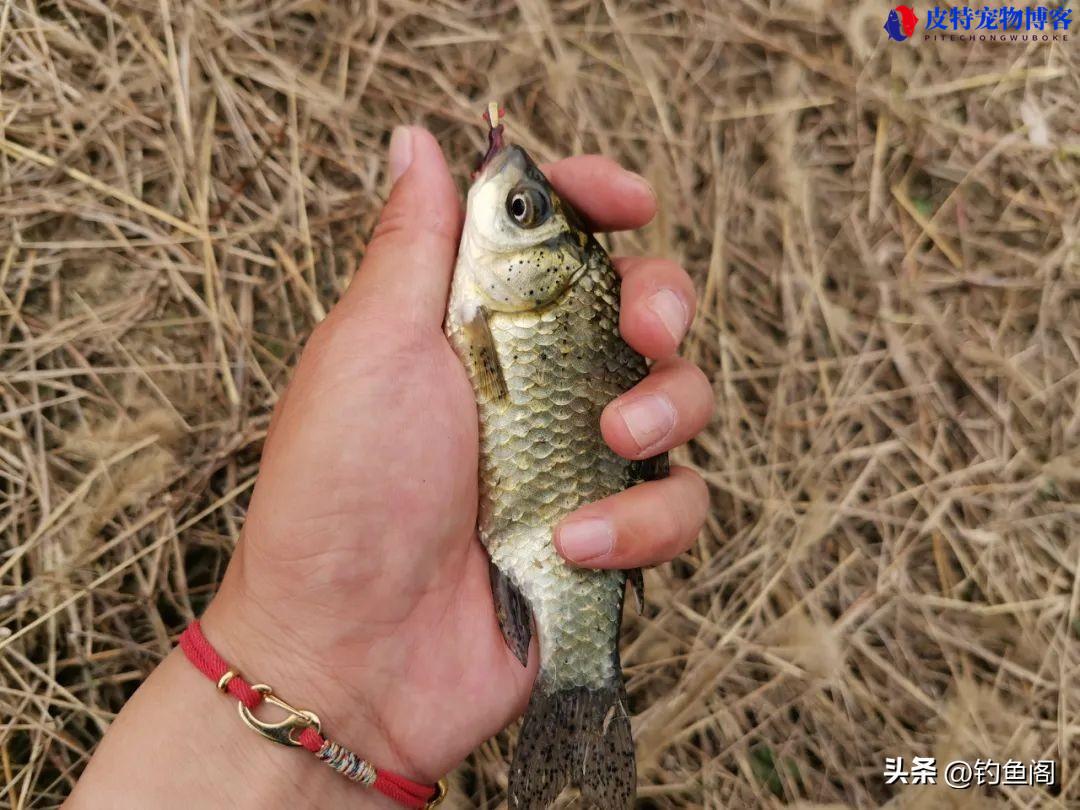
[[512, 611], [485, 361]]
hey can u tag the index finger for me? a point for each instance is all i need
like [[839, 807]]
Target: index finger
[[610, 197]]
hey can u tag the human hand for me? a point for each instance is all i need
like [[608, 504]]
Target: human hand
[[359, 587]]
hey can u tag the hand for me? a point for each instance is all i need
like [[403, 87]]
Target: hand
[[359, 588]]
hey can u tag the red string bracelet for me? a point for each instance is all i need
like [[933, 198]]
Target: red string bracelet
[[301, 727]]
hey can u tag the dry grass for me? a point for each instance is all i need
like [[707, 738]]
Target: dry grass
[[885, 238]]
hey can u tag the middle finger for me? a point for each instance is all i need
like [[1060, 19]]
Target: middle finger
[[669, 407], [657, 305]]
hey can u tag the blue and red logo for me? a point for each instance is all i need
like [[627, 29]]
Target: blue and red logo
[[900, 23], [986, 23]]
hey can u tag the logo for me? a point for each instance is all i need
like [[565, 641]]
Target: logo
[[900, 24], [983, 24]]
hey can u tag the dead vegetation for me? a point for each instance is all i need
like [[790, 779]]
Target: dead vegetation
[[885, 239]]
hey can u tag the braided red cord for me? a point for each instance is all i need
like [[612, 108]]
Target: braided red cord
[[213, 666], [202, 654]]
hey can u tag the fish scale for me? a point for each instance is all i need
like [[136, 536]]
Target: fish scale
[[542, 456]]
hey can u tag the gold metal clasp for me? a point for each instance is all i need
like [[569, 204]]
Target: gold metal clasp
[[442, 787], [280, 732]]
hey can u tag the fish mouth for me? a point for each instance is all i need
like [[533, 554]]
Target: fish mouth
[[501, 158], [496, 146]]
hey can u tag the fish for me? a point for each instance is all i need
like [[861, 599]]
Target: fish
[[533, 314]]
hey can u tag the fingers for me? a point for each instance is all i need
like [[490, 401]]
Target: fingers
[[664, 410], [644, 525], [607, 195], [658, 303], [410, 258]]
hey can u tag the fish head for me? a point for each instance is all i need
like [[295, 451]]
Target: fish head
[[511, 205], [523, 243]]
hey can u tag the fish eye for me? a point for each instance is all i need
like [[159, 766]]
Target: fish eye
[[528, 207]]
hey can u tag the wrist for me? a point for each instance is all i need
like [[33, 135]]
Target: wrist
[[179, 743], [291, 658]]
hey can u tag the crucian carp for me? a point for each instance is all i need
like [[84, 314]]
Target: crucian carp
[[534, 316]]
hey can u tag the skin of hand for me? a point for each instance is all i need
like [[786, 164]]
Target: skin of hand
[[359, 588]]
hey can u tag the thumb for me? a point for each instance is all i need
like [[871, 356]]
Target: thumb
[[410, 256]]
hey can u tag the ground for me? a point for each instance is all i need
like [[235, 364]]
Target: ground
[[884, 236]]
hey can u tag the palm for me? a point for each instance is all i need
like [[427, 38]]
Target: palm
[[377, 441]]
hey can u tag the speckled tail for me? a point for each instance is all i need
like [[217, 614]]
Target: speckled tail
[[576, 736]]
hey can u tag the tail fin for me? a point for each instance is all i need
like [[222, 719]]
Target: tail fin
[[579, 736]]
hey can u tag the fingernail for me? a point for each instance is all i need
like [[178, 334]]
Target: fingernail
[[648, 418], [672, 312], [635, 183], [400, 153], [586, 539]]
